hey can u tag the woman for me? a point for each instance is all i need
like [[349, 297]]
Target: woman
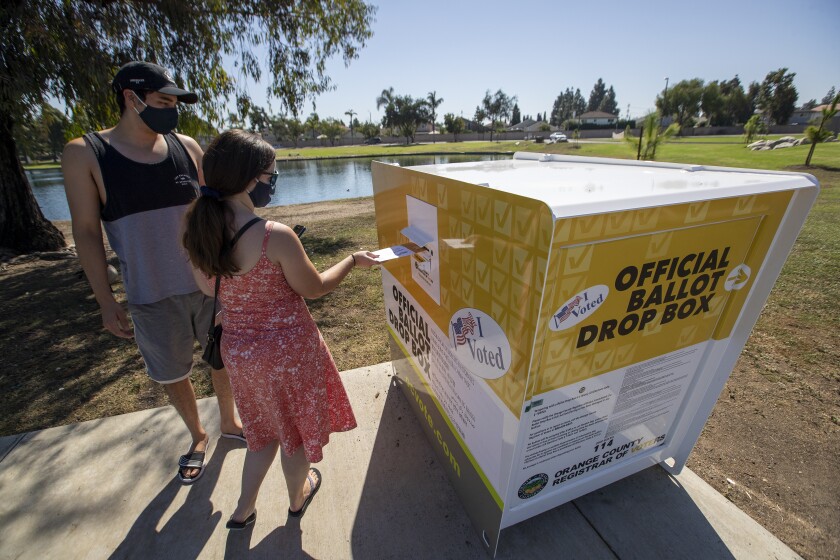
[[285, 383]]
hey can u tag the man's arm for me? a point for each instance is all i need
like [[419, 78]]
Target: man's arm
[[83, 200], [195, 153]]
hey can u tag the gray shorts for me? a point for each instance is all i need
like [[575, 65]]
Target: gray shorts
[[166, 331]]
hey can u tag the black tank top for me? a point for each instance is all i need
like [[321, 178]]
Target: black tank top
[[142, 215], [132, 187]]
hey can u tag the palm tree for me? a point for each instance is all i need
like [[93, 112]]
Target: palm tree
[[650, 136], [433, 101], [351, 113], [819, 134], [385, 98], [312, 123]]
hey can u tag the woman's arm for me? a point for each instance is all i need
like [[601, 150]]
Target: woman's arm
[[284, 248]]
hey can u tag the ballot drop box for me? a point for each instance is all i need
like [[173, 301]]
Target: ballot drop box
[[558, 323]]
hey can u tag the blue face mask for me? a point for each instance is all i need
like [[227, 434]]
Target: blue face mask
[[162, 121]]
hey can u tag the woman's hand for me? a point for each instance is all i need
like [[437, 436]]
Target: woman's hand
[[365, 259]]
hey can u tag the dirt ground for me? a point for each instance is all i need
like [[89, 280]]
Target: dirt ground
[[770, 446]]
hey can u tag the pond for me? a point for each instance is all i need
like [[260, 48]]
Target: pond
[[299, 181]]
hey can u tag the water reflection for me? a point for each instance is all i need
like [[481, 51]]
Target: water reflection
[[299, 181]]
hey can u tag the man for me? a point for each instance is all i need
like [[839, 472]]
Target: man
[[138, 178]]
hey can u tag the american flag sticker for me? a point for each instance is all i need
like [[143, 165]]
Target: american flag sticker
[[463, 326], [479, 343], [579, 307]]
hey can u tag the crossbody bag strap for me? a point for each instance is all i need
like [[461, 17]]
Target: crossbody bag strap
[[213, 315], [233, 241]]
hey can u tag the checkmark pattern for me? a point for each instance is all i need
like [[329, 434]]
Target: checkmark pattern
[[510, 236], [518, 248]]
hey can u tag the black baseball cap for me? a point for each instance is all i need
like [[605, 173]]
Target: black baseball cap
[[149, 76]]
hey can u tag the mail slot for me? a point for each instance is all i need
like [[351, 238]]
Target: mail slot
[[559, 323]]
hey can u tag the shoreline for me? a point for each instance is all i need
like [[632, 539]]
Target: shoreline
[[305, 212]]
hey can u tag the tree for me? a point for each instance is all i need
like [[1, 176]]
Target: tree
[[43, 134], [737, 107], [433, 102], [312, 124], [515, 117], [608, 104], [351, 113], [369, 130], [599, 91], [712, 103], [71, 49], [453, 124], [829, 97], [808, 105], [234, 120], [289, 129], [480, 116], [406, 113], [651, 136], [332, 129], [819, 134], [29, 137], [683, 101], [568, 105], [386, 99], [259, 119], [777, 95], [496, 107], [755, 125], [56, 125]]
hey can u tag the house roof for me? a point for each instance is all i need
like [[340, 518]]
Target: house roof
[[522, 125], [597, 115]]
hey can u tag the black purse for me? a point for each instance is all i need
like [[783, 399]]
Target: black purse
[[213, 349]]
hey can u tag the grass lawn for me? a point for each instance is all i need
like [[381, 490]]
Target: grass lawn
[[700, 151], [43, 165], [727, 151]]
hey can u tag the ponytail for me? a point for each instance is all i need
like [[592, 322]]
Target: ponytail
[[231, 161], [207, 237]]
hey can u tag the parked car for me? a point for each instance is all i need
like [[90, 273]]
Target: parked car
[[558, 137], [374, 140]]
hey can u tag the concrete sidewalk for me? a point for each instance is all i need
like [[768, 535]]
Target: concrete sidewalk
[[107, 489]]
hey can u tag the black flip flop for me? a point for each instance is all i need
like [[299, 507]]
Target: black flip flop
[[238, 437], [239, 525], [194, 460], [313, 490]]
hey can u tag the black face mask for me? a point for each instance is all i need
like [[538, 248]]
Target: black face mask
[[261, 195], [162, 121]]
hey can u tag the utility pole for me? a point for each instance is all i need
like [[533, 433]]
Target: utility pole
[[665, 100]]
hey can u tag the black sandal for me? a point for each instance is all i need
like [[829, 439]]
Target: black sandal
[[313, 489], [194, 460], [239, 525]]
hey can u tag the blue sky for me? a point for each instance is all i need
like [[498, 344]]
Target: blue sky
[[535, 49]]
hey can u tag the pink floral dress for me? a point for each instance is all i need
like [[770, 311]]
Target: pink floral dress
[[284, 380]]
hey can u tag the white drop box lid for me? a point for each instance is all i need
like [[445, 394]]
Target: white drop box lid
[[576, 186]]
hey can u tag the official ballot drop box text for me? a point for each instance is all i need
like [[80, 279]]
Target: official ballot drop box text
[[571, 321]]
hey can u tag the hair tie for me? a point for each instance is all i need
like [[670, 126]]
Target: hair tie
[[212, 193]]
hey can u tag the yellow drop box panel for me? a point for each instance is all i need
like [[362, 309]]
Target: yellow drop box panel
[[564, 322]]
